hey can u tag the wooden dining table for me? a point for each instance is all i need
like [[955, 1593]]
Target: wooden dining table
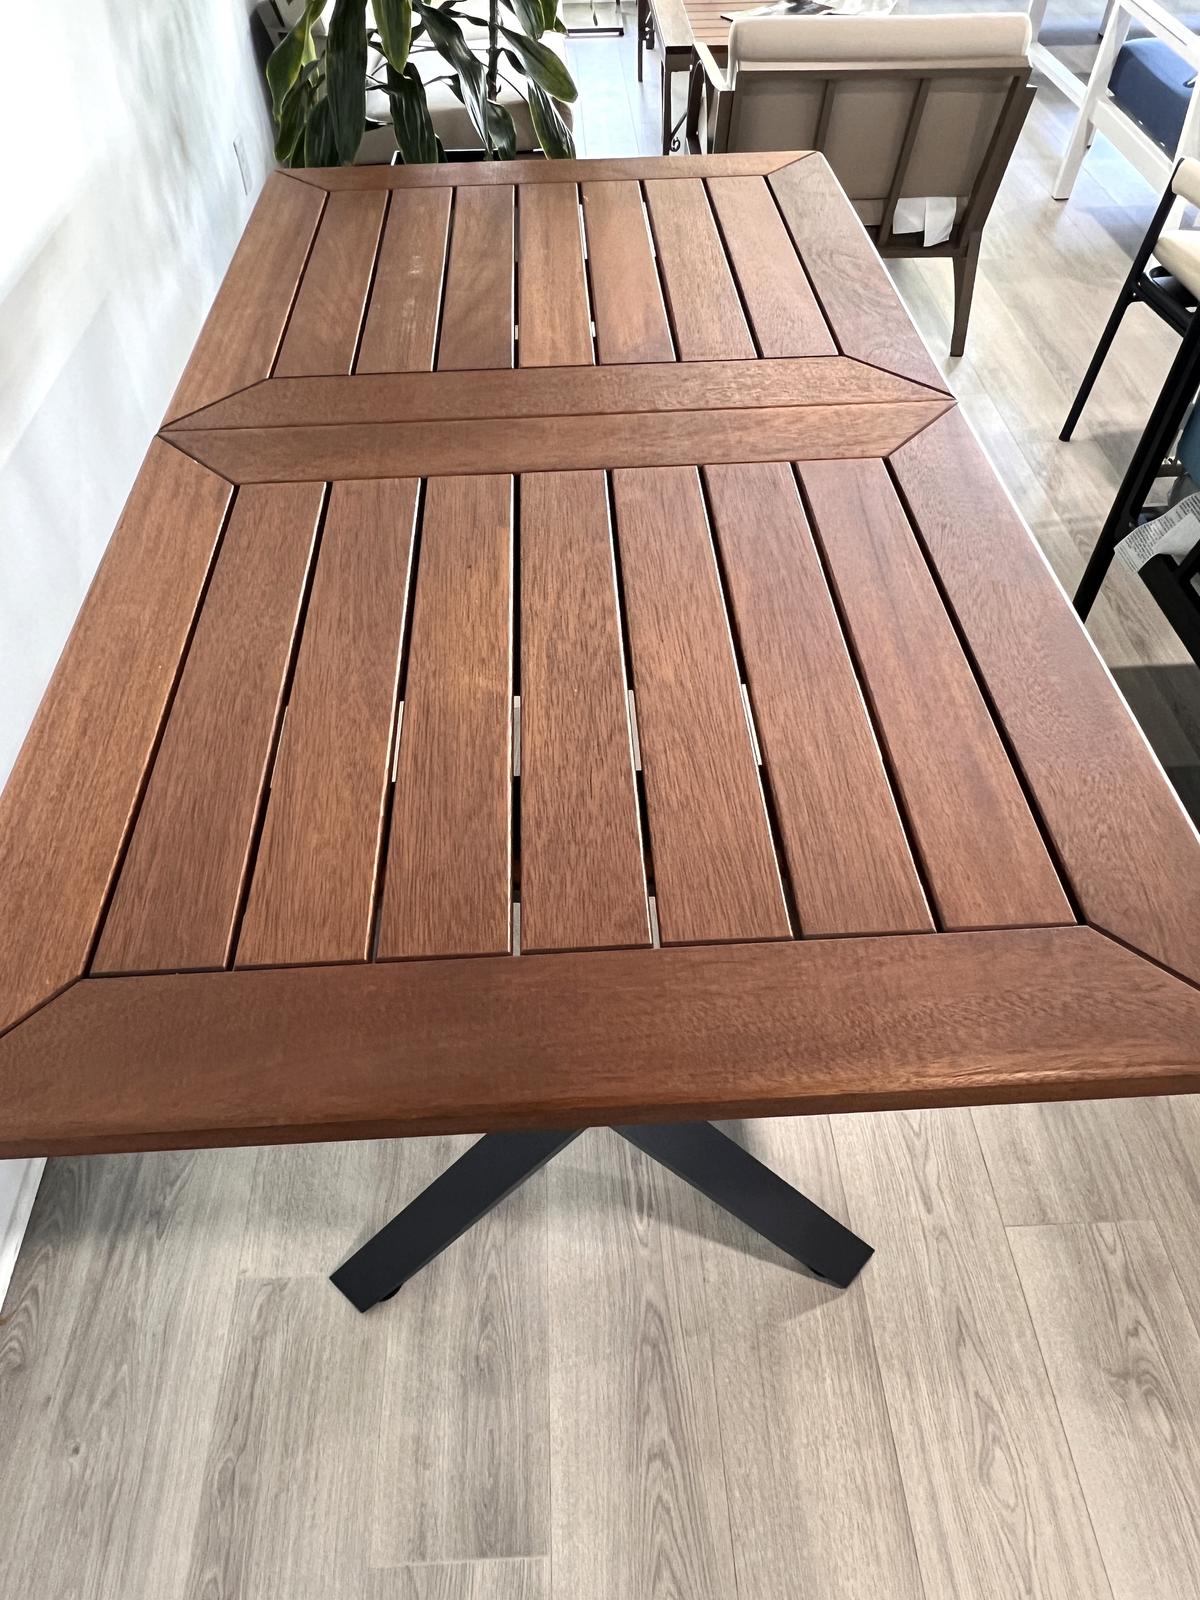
[[565, 661]]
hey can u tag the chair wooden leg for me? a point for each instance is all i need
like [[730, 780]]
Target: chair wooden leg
[[964, 289]]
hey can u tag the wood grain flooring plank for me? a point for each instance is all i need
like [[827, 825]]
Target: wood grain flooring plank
[[583, 884], [477, 315], [856, 295], [639, 1507], [73, 791], [706, 314], [816, 1500], [949, 763], [286, 1477], [555, 318], [313, 889], [1124, 839], [177, 896], [716, 876], [447, 885], [462, 1580], [1123, 1356], [1079, 1161], [322, 334], [850, 864], [241, 334], [102, 1462], [557, 442], [995, 1504], [631, 320], [462, 1470], [783, 310], [400, 334]]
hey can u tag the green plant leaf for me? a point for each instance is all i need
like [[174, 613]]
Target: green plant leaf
[[290, 54], [319, 147], [346, 76], [293, 114], [531, 14], [447, 38], [553, 134], [503, 131], [415, 138], [551, 21], [540, 64], [394, 20]]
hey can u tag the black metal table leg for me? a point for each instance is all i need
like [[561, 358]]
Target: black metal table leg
[[493, 1167], [480, 1178], [716, 1165]]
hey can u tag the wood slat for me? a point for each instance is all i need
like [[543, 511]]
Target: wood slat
[[555, 320], [1118, 826], [549, 443], [783, 311], [75, 785], [322, 335], [477, 317], [714, 862], [705, 311], [313, 889], [487, 174], [631, 320], [177, 896], [380, 1049], [582, 880], [850, 280], [554, 391], [241, 334], [448, 885], [981, 848], [402, 319], [849, 861]]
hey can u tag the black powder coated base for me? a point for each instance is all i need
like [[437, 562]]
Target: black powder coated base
[[697, 1151]]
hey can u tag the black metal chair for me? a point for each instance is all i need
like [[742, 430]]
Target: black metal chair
[[1172, 289]]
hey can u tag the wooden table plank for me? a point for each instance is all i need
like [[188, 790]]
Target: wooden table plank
[[178, 893], [582, 880], [548, 443], [392, 1048], [477, 317], [241, 334], [850, 863], [492, 174], [448, 881], [783, 311], [313, 890], [555, 320], [74, 789], [706, 314], [715, 872], [1120, 830], [981, 848], [322, 335], [850, 280], [402, 318], [631, 320], [558, 391]]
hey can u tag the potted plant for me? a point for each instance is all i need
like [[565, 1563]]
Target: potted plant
[[319, 88]]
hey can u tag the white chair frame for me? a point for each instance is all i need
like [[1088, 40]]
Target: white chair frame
[[1099, 112]]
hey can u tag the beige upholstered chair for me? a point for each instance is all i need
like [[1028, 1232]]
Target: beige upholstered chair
[[903, 108]]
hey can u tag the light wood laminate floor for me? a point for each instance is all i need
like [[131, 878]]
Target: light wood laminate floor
[[609, 1390]]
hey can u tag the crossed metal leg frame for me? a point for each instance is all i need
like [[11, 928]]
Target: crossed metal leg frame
[[499, 1162]]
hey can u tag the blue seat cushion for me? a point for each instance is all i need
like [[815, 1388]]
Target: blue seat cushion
[[1154, 86]]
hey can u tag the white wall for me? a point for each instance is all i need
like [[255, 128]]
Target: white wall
[[118, 120]]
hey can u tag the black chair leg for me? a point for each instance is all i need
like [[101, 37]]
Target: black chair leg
[[965, 267], [1177, 394], [1128, 294]]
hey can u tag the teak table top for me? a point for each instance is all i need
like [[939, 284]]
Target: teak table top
[[638, 571]]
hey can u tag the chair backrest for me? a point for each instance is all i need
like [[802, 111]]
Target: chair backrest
[[901, 107]]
